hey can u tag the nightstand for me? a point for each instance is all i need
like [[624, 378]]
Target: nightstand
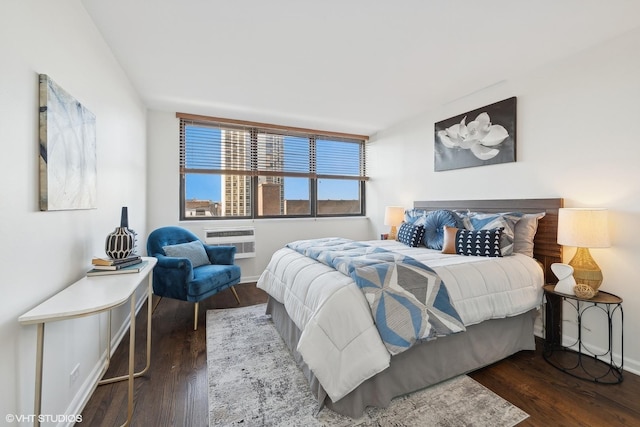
[[577, 359]]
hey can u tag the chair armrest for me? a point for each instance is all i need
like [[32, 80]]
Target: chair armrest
[[178, 267], [221, 255]]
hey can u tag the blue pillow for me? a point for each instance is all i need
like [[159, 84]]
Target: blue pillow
[[194, 251], [479, 243], [434, 227], [415, 216], [490, 221], [410, 235]]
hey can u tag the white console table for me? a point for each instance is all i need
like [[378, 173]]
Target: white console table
[[87, 296]]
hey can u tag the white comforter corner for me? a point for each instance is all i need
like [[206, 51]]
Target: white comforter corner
[[339, 340]]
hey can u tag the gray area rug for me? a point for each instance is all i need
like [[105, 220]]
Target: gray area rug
[[254, 381]]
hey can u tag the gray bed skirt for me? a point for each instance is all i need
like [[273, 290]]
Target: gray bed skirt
[[421, 366]]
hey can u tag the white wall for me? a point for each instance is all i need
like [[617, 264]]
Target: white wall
[[43, 252], [576, 139], [271, 234]]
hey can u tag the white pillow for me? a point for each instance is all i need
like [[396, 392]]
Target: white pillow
[[525, 231]]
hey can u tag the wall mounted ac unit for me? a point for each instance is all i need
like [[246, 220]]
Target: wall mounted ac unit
[[243, 238]]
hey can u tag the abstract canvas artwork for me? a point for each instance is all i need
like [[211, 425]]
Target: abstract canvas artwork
[[484, 136], [67, 150]]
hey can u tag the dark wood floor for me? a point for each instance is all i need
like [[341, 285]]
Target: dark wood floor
[[174, 391]]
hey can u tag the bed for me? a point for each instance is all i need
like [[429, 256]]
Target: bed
[[327, 322]]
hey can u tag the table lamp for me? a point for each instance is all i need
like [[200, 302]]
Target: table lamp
[[584, 228], [393, 216]]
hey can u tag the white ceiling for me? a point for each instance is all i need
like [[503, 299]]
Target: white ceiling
[[354, 66]]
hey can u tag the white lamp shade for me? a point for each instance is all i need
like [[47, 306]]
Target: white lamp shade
[[583, 227], [393, 215]]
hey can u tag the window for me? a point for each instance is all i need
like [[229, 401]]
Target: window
[[231, 169]]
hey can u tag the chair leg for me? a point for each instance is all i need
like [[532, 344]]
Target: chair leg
[[235, 294], [195, 316]]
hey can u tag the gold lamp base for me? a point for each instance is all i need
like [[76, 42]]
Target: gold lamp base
[[393, 233], [585, 269]]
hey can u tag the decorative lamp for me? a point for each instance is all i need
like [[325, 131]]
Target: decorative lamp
[[584, 228], [393, 216]]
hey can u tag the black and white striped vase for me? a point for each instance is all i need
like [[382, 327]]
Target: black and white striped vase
[[121, 242]]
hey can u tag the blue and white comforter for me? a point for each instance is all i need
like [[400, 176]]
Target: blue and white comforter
[[340, 341], [408, 300]]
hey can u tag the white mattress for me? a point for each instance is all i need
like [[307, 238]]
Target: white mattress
[[339, 340]]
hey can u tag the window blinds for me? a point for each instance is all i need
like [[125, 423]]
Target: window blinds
[[241, 149]]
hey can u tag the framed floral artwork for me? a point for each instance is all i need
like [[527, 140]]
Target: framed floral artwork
[[480, 137]]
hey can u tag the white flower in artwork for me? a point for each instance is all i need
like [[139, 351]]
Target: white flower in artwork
[[479, 136]]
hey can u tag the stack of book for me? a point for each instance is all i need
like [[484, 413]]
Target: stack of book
[[107, 266]]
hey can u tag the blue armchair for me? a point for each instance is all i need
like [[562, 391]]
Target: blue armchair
[[189, 270]]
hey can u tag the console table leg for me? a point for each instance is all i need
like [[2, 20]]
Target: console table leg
[[148, 365], [132, 344], [149, 315], [37, 405]]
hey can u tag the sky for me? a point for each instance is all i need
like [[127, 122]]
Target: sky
[[208, 187]]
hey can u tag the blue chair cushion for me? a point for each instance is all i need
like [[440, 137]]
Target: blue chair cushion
[[211, 279]]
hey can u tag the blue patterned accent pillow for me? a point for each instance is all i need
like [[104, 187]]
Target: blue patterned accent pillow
[[489, 221], [415, 216], [410, 234], [434, 227], [479, 243]]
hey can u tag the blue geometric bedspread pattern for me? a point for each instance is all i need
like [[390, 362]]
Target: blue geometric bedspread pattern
[[408, 300]]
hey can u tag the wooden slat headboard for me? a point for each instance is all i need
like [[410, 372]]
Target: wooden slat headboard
[[546, 249]]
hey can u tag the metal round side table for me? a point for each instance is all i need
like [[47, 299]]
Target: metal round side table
[[577, 359]]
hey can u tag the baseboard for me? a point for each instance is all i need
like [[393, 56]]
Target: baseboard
[[87, 388], [249, 279], [629, 365], [632, 366], [84, 393]]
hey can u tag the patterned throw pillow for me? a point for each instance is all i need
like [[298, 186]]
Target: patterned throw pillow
[[415, 216], [489, 221], [410, 235], [434, 227], [479, 243]]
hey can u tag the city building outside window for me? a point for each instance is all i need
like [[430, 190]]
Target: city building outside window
[[231, 170]]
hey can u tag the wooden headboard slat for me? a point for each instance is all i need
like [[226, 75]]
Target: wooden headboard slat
[[546, 249]]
